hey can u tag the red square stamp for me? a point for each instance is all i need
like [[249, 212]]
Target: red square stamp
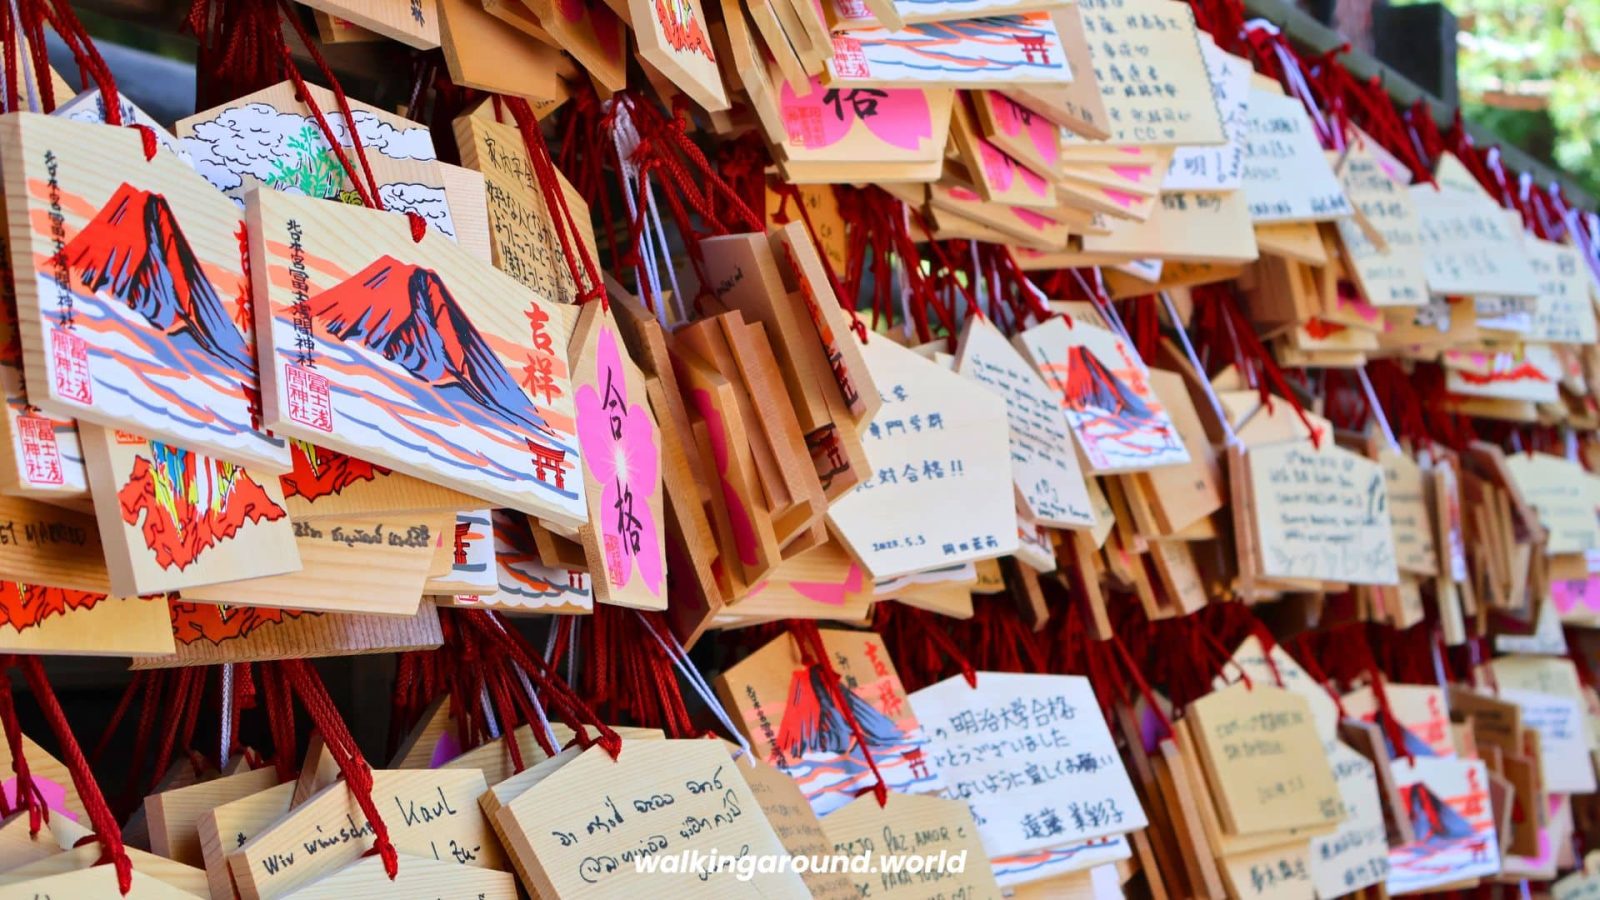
[[41, 456], [804, 126], [848, 59], [310, 402], [70, 355], [616, 560]]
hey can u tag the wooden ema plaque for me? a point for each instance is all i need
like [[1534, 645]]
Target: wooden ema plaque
[[35, 619], [659, 798], [172, 518], [745, 275], [797, 827], [376, 566], [912, 823], [419, 876], [621, 452], [207, 634], [1264, 760], [1105, 391], [1078, 790], [673, 38], [1022, 48], [938, 442], [269, 139], [522, 233], [174, 815], [523, 582], [1044, 463], [351, 369], [906, 126], [41, 458], [168, 353], [428, 813], [415, 23], [777, 702]]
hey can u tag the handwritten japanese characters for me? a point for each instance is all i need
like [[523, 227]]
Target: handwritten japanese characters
[[1320, 514], [1031, 756], [1286, 176], [1152, 76], [1044, 464], [937, 444], [1218, 168], [1393, 274]]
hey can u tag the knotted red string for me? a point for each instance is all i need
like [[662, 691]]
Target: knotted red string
[[307, 685], [94, 803], [814, 653]]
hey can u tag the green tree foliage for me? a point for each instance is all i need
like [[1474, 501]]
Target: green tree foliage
[[1529, 70]]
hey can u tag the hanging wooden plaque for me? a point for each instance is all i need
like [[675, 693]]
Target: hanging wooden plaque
[[270, 139], [777, 702], [1263, 760], [523, 232], [1044, 463], [1320, 515], [911, 823], [419, 876], [171, 518], [436, 401], [1157, 39], [673, 38], [1105, 390], [1286, 175], [432, 813], [938, 442], [1023, 48], [660, 798], [174, 815], [61, 621], [1078, 789], [207, 634], [621, 452], [165, 354], [376, 566], [525, 584], [415, 23]]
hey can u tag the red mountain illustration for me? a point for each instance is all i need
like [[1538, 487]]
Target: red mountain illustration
[[1523, 372], [406, 313], [26, 605], [192, 622], [682, 28], [1092, 385], [322, 473], [191, 502], [1433, 818], [812, 723], [135, 249]]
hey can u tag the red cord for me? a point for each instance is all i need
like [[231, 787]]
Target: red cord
[[105, 824]]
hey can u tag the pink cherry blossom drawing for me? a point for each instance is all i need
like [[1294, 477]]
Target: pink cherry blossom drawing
[[618, 442], [1015, 119], [899, 117]]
